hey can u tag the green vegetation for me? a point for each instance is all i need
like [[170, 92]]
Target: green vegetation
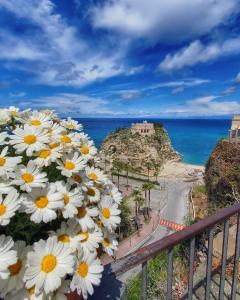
[[222, 176], [157, 277], [201, 189], [126, 227]]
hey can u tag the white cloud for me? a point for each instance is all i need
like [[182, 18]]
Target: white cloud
[[71, 104], [17, 95], [197, 52], [130, 94], [237, 79], [56, 53], [188, 82], [172, 20], [206, 106], [230, 90]]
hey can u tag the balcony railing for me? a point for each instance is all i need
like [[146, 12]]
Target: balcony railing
[[207, 225]]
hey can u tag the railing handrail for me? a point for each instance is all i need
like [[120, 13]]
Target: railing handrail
[[152, 250]]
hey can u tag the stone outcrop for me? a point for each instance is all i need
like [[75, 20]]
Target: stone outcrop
[[222, 174], [142, 153]]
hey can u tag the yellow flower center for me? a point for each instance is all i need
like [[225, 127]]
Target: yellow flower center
[[83, 269], [66, 139], [78, 178], [106, 243], [30, 139], [91, 192], [31, 291], [48, 263], [36, 122], [53, 145], [84, 149], [85, 235], [106, 212], [69, 165], [14, 113], [49, 130], [81, 212], [64, 238], [70, 126], [41, 201], [44, 153], [93, 176], [2, 161], [65, 199], [27, 177], [3, 209], [15, 268]]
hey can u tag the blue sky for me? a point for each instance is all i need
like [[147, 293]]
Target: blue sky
[[121, 58]]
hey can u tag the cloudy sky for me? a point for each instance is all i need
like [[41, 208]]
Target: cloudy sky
[[121, 58]]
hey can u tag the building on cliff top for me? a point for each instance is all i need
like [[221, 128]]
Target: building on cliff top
[[143, 128], [234, 132]]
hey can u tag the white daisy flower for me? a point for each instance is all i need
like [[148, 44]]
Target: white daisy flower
[[71, 124], [71, 164], [96, 175], [46, 156], [42, 203], [29, 139], [60, 293], [109, 213], [55, 130], [88, 273], [115, 194], [14, 111], [8, 164], [15, 280], [93, 194], [9, 204], [47, 264], [37, 119], [109, 243], [85, 215], [72, 198], [3, 136], [66, 234], [29, 177], [89, 240], [81, 180], [88, 150], [68, 141], [5, 116], [6, 186], [26, 294], [7, 256]]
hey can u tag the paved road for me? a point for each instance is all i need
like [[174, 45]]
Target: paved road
[[172, 203]]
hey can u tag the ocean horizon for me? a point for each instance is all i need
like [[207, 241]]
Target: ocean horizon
[[194, 139]]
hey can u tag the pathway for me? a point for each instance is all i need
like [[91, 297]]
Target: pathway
[[135, 241]]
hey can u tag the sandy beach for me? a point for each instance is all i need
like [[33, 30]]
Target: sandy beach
[[176, 169]]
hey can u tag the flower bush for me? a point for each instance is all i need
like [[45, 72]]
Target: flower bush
[[57, 210]]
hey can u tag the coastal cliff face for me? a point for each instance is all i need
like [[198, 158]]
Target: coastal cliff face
[[141, 152], [222, 175]]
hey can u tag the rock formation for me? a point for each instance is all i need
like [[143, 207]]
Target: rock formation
[[143, 153], [222, 175]]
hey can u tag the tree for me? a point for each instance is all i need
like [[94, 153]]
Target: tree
[[125, 215], [138, 199], [149, 166], [127, 168], [117, 167], [147, 187]]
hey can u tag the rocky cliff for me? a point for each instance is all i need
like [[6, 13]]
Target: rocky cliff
[[222, 175], [141, 153]]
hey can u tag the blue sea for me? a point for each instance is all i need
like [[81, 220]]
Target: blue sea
[[194, 139]]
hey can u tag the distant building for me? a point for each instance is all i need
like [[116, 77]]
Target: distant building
[[234, 132], [143, 128]]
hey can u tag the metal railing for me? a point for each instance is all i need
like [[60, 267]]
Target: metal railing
[[141, 256]]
